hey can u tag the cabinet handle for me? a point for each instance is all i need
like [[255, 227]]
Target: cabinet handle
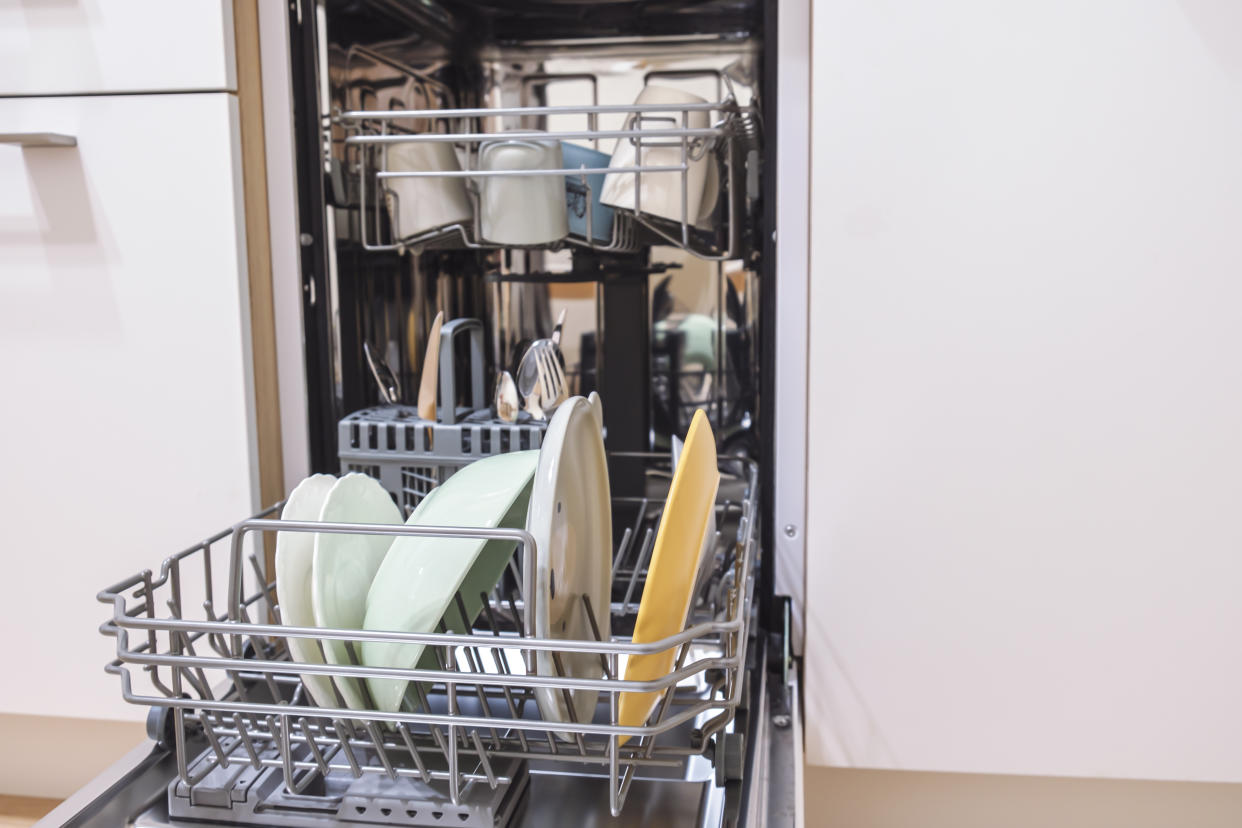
[[38, 139]]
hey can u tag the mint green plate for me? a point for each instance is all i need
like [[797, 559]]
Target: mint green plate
[[344, 565], [415, 586]]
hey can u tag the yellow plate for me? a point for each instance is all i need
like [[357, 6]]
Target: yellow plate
[[674, 563]]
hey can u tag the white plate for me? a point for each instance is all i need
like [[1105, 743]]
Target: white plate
[[571, 520], [345, 565], [416, 584], [295, 553]]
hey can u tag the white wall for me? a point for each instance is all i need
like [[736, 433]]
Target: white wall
[[1024, 533]]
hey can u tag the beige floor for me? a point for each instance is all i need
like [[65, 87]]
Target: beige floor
[[36, 743], [847, 798], [22, 811]]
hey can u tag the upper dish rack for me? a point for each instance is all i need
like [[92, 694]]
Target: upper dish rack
[[250, 745], [721, 152]]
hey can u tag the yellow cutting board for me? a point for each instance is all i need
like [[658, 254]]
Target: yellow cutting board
[[674, 563]]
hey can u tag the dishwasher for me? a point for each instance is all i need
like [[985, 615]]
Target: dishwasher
[[425, 131]]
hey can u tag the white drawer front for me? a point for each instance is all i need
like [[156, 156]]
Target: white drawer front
[[84, 46], [125, 430]]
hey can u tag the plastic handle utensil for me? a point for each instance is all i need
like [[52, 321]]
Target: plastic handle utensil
[[431, 363]]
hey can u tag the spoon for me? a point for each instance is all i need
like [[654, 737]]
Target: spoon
[[506, 397], [389, 387]]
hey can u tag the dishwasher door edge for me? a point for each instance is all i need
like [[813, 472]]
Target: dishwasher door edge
[[123, 789]]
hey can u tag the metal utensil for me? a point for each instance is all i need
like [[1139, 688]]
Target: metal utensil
[[541, 379], [556, 332], [552, 378], [506, 397], [528, 382], [431, 367], [389, 386]]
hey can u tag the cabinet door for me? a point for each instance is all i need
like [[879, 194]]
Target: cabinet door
[[58, 48], [1026, 359], [126, 432]]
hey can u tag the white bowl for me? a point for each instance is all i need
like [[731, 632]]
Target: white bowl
[[661, 191], [417, 205]]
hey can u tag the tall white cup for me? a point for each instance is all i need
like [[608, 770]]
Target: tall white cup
[[522, 209]]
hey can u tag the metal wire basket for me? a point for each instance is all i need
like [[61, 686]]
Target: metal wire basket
[[725, 144], [200, 642]]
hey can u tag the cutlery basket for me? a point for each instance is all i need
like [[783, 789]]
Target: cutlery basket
[[410, 456], [199, 641]]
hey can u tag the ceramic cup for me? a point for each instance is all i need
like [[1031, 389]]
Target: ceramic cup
[[578, 157], [522, 209], [661, 192], [417, 205]]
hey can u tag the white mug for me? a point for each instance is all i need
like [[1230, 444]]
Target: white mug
[[661, 192], [522, 209], [420, 204]]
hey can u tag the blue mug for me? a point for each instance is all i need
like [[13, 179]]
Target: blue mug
[[577, 157]]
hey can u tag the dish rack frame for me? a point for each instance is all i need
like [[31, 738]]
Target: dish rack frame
[[477, 726], [735, 132]]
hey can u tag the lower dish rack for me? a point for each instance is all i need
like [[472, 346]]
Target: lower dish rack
[[200, 642]]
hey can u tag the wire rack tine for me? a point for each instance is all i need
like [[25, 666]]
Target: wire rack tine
[[590, 614], [621, 550], [568, 698], [244, 734], [639, 567], [378, 741], [312, 745], [502, 667], [343, 739], [408, 738], [483, 761], [476, 666]]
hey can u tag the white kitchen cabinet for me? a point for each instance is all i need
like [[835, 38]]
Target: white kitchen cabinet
[[95, 46], [1024, 479], [124, 356]]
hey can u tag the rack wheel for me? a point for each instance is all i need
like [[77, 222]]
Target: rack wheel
[[730, 758], [160, 726]]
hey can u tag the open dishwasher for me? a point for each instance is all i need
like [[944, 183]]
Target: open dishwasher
[[666, 295]]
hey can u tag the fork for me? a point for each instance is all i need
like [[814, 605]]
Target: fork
[[540, 379], [552, 385]]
